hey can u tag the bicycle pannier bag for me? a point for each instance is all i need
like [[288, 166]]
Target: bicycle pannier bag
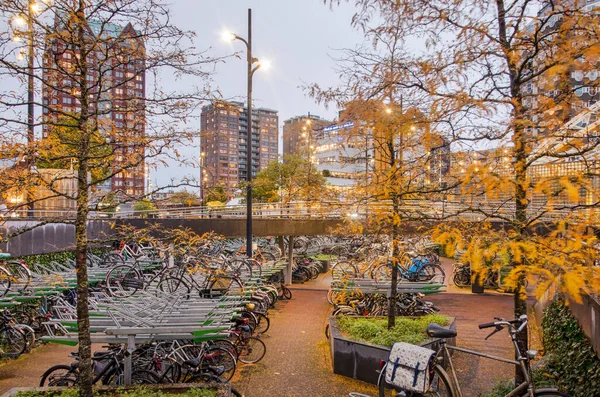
[[408, 367]]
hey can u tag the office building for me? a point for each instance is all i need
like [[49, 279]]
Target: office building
[[224, 143], [300, 130], [116, 78]]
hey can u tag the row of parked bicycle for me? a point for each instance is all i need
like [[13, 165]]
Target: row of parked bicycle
[[200, 311]]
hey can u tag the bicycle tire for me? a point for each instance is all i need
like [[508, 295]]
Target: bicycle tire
[[5, 282], [216, 356], [240, 268], [13, 342], [123, 281], [440, 386], [20, 272], [382, 273], [461, 279], [144, 377], [226, 344], [263, 324], [268, 256], [432, 273], [29, 333], [112, 259], [548, 393], [224, 285], [173, 285], [286, 292], [252, 350], [59, 375]]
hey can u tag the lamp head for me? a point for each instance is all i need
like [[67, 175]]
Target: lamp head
[[265, 64], [228, 36], [19, 20]]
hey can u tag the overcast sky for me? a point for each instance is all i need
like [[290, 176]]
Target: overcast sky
[[298, 37]]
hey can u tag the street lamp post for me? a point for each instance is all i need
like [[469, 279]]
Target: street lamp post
[[32, 7], [251, 70]]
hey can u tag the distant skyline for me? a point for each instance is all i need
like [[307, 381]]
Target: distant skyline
[[299, 38]]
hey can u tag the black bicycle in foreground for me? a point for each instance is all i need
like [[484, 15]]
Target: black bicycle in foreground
[[442, 379]]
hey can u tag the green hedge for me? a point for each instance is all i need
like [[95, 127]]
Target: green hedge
[[374, 329], [572, 359]]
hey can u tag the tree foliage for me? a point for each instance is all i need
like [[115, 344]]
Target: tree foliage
[[99, 56], [294, 179], [503, 76], [184, 198]]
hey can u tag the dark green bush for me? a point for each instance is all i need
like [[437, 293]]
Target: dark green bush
[[572, 360], [374, 329]]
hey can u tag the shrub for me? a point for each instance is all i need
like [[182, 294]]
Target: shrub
[[374, 329], [572, 361]]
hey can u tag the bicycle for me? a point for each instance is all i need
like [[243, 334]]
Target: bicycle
[[107, 366], [419, 268], [443, 385]]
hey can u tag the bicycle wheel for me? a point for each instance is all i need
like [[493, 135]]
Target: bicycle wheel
[[12, 342], [112, 259], [251, 350], [263, 323], [224, 285], [439, 386], [29, 334], [173, 285], [144, 377], [227, 345], [20, 273], [240, 268], [123, 281], [286, 292], [5, 283], [220, 360], [432, 273], [382, 273], [59, 375], [462, 278]]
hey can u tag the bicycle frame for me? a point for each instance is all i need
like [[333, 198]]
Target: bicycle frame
[[517, 392], [522, 362]]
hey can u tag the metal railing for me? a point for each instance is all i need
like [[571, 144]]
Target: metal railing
[[409, 210]]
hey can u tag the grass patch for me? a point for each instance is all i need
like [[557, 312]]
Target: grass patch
[[374, 329]]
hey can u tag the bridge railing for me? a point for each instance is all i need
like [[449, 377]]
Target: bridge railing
[[472, 210]]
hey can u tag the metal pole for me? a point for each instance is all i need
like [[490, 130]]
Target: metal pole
[[30, 99], [249, 144]]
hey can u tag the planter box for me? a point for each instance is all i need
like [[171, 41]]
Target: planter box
[[360, 360], [222, 389]]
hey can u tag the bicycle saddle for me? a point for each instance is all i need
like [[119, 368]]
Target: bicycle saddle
[[436, 331], [194, 362]]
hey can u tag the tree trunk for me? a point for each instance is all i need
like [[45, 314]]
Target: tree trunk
[[81, 240], [83, 321], [394, 284]]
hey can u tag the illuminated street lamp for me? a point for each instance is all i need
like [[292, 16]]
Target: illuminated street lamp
[[251, 69]]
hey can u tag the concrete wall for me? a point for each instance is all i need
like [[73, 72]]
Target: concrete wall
[[49, 237]]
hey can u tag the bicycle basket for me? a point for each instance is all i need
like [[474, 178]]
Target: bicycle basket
[[408, 367]]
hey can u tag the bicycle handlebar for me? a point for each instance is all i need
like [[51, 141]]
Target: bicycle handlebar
[[522, 321]]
